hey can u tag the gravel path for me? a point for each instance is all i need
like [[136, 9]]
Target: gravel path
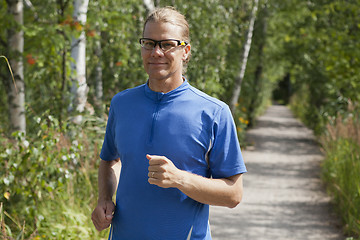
[[283, 194]]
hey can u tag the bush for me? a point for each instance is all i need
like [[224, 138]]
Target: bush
[[341, 170], [46, 181]]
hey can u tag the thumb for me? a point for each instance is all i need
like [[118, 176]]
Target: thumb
[[109, 211]]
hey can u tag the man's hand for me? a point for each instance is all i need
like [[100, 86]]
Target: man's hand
[[162, 172], [103, 214]]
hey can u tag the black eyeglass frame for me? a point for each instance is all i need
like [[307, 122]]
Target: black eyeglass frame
[[180, 43]]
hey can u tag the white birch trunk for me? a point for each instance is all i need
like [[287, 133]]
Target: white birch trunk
[[149, 4], [16, 95], [79, 87], [98, 78], [239, 79]]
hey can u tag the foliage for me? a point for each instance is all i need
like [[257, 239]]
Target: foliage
[[47, 180], [341, 172], [48, 176], [314, 43], [317, 46], [341, 168], [113, 28]]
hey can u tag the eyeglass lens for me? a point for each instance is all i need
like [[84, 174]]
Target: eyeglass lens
[[149, 44]]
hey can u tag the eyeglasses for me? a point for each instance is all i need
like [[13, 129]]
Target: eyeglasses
[[165, 45]]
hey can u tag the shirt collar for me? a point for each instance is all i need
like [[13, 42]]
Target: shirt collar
[[163, 97]]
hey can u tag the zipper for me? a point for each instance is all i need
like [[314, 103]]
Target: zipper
[[153, 124]]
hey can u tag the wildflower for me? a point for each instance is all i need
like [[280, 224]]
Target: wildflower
[[30, 59], [7, 195], [91, 33], [26, 143]]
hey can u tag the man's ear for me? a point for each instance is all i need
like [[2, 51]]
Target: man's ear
[[186, 54]]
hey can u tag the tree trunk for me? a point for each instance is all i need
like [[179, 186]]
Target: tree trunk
[[239, 79], [149, 4], [257, 97], [98, 79], [79, 88], [16, 94]]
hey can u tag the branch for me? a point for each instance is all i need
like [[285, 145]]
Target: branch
[[239, 79], [149, 5], [28, 4], [77, 43], [12, 75]]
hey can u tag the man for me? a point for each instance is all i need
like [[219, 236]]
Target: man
[[177, 146]]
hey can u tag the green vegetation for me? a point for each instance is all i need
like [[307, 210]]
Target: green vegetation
[[319, 54], [306, 50], [48, 177], [48, 181], [341, 169]]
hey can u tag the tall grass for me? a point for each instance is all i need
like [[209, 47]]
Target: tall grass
[[341, 168], [48, 181]]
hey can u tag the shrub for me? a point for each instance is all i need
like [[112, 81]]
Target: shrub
[[341, 169], [46, 180]]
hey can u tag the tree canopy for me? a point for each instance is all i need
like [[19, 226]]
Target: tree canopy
[[307, 51]]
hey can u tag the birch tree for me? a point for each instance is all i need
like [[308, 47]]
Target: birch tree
[[16, 92], [149, 4], [260, 33], [240, 78], [98, 77], [79, 88]]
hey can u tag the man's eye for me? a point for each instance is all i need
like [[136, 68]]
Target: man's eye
[[148, 44], [168, 45]]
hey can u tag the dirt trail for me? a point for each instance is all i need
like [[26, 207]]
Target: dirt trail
[[283, 194]]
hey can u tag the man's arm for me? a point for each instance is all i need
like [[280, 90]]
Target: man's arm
[[221, 192], [108, 177]]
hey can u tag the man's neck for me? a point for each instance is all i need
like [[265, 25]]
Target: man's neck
[[165, 85]]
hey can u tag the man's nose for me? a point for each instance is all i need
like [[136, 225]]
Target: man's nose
[[157, 50]]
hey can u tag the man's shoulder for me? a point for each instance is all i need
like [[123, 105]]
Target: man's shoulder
[[128, 93], [206, 99]]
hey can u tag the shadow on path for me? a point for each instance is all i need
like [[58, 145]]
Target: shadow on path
[[283, 194]]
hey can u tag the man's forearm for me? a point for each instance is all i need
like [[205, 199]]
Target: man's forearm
[[221, 192], [108, 177]]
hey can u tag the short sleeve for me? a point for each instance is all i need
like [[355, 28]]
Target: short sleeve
[[225, 158], [109, 151]]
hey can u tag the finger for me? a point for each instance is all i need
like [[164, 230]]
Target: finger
[[102, 216], [99, 225], [98, 215], [154, 181], [157, 161], [156, 168], [110, 208], [152, 174], [155, 157]]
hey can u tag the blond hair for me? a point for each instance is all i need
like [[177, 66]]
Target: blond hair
[[171, 15]]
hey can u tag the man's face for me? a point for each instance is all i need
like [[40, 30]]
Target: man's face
[[159, 64]]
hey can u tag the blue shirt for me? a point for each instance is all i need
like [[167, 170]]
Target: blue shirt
[[195, 131]]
